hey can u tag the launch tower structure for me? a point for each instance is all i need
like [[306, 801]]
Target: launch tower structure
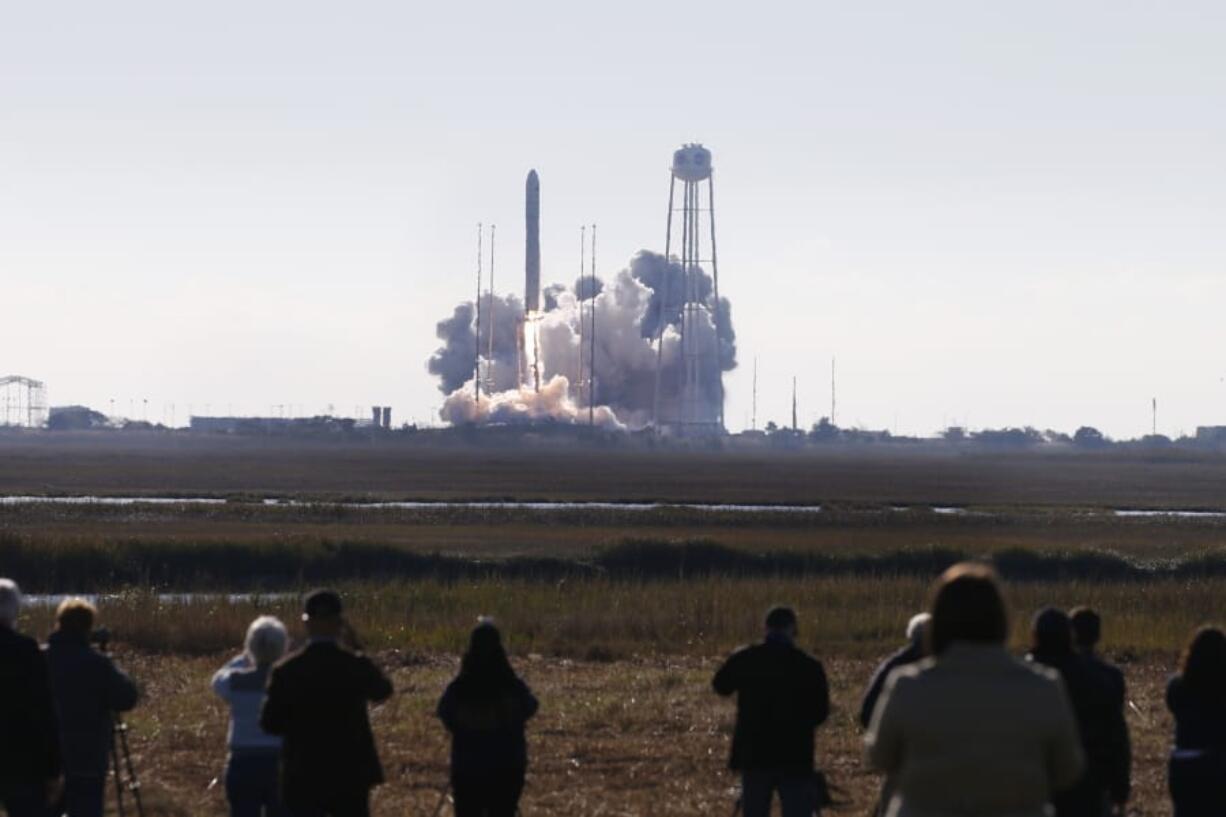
[[698, 405]]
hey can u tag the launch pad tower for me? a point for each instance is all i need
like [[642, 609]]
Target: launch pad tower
[[698, 400]]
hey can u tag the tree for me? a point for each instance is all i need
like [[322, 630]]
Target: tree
[[1089, 437]]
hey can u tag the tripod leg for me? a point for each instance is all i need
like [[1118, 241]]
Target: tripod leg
[[115, 770]]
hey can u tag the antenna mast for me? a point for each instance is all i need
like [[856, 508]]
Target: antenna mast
[[489, 317], [579, 297], [477, 307], [754, 422], [795, 425], [591, 369]]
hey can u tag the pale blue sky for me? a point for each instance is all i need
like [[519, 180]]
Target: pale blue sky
[[991, 213]]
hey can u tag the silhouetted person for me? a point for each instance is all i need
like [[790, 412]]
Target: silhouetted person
[[972, 730], [782, 697], [486, 709], [1087, 631], [1097, 716], [29, 740], [317, 702], [89, 692], [251, 768], [915, 649], [1197, 699]]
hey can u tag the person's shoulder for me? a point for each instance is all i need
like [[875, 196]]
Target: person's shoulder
[[292, 662]]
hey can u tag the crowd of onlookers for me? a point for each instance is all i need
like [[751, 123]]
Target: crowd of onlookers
[[955, 723]]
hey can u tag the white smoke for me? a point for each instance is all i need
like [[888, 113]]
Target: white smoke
[[627, 314]]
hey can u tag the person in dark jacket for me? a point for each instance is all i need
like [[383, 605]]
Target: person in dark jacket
[[1097, 717], [1087, 631], [317, 702], [486, 709], [782, 697], [1197, 699], [917, 628], [89, 690], [29, 739]]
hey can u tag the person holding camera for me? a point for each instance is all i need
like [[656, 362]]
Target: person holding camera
[[89, 691], [317, 702], [30, 748]]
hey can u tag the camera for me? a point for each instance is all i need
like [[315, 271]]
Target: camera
[[101, 637]]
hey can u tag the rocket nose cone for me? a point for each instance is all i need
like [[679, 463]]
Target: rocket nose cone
[[533, 179]]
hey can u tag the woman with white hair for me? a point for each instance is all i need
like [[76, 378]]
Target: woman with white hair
[[251, 768]]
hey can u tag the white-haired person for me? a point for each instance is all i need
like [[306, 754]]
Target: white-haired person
[[30, 746], [251, 767], [915, 649]]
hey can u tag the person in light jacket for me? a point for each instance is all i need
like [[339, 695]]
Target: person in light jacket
[[251, 767], [971, 729]]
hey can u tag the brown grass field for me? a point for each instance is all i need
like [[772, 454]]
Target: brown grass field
[[628, 725]]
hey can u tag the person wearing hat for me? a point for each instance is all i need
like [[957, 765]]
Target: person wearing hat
[[317, 702]]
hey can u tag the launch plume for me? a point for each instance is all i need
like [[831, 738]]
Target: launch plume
[[627, 318]]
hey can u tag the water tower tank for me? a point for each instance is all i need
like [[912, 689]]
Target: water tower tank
[[692, 163]]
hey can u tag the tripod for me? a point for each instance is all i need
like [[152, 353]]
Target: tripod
[[125, 773], [125, 779]]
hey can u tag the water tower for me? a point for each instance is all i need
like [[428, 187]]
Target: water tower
[[693, 402]]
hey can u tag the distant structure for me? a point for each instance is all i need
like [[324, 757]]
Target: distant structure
[[23, 401], [529, 340], [699, 356]]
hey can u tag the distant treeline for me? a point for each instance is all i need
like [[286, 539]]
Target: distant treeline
[[72, 566]]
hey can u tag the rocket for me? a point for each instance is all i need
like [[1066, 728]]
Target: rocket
[[532, 246]]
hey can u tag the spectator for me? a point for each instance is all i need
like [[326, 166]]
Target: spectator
[[972, 730], [782, 697], [251, 768], [1087, 631], [30, 747], [1097, 718], [316, 701], [89, 691], [485, 709], [1197, 699], [915, 649]]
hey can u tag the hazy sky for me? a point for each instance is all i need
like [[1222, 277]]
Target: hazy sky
[[993, 214]]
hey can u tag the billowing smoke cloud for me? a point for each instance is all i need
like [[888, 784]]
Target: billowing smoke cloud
[[628, 314]]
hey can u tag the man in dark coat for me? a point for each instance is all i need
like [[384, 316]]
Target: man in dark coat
[[1097, 716], [917, 629], [1087, 631], [30, 745], [317, 702], [89, 689], [782, 697]]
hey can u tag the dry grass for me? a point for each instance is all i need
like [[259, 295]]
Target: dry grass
[[635, 737], [428, 466]]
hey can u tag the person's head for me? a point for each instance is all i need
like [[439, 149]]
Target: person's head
[[1087, 628], [781, 623], [266, 640], [485, 658], [917, 629], [322, 614], [1051, 633], [10, 602], [968, 605], [1204, 662], [75, 617]]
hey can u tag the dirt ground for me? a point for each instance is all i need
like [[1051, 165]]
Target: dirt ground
[[637, 737]]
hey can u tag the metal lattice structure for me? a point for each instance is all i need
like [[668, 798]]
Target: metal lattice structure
[[23, 402], [698, 398]]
